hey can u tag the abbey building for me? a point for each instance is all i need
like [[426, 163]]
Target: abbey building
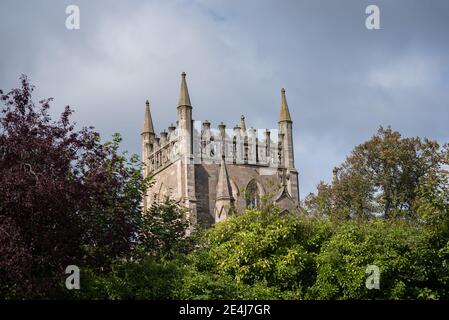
[[217, 172]]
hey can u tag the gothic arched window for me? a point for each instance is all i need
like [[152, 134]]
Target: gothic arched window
[[252, 195]]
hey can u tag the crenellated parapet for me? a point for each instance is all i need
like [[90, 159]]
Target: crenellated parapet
[[253, 146], [250, 146], [165, 150]]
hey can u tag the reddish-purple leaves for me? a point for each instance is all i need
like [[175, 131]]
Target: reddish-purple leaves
[[65, 198]]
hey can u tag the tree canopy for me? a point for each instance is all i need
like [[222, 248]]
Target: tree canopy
[[381, 177], [65, 198], [68, 198]]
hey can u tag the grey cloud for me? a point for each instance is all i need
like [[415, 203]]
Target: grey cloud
[[342, 80]]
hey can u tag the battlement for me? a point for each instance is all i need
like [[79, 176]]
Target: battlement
[[254, 146]]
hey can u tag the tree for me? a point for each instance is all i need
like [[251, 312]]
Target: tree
[[410, 266], [65, 198], [157, 265], [111, 214], [379, 177], [256, 255], [146, 278], [163, 231], [432, 202]]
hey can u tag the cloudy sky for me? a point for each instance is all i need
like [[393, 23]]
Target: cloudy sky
[[342, 80]]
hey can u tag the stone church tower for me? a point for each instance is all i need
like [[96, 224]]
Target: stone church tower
[[215, 173]]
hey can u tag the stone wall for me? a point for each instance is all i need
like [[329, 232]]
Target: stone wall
[[206, 179], [167, 182]]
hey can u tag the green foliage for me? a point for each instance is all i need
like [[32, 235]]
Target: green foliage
[[406, 181], [409, 265], [156, 267], [258, 254], [261, 254], [96, 222], [432, 203], [266, 256], [144, 279], [379, 177], [163, 230]]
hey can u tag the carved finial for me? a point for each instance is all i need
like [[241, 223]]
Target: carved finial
[[242, 123], [184, 98], [285, 113], [148, 121]]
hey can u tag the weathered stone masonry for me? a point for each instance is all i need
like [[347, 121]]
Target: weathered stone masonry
[[217, 173]]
